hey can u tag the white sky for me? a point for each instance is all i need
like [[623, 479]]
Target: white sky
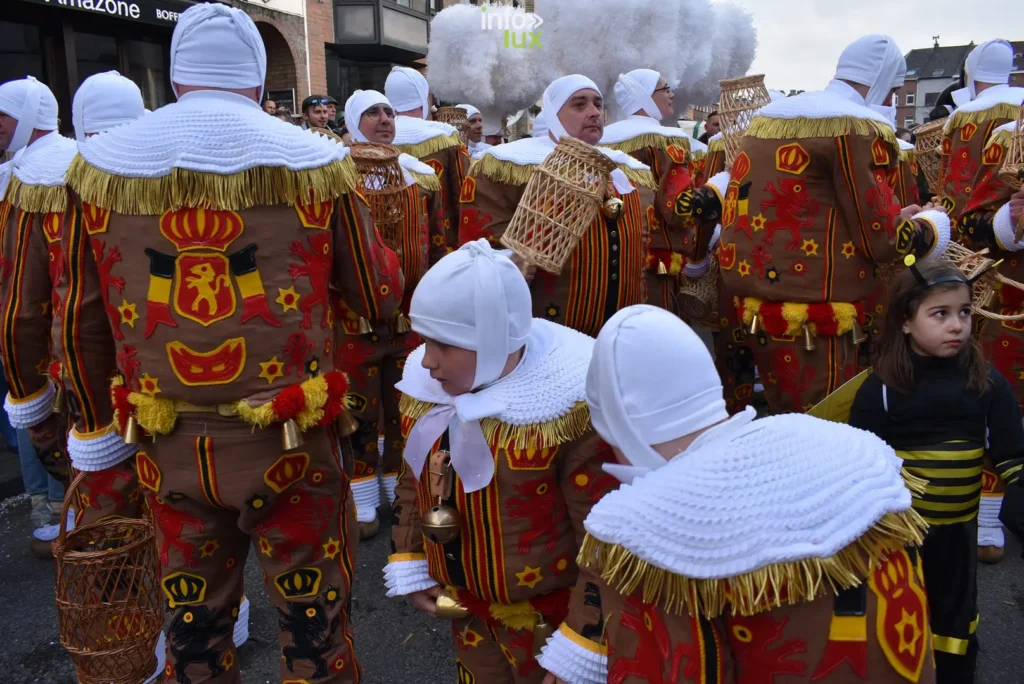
[[799, 41]]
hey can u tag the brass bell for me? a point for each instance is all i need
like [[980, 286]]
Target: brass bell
[[402, 323], [364, 326], [441, 524], [808, 338], [661, 268], [755, 324], [612, 208], [448, 608], [131, 431], [347, 425], [58, 398], [857, 333], [542, 631], [291, 437]]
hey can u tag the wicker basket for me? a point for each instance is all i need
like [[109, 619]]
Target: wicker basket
[[928, 150], [741, 100], [382, 182], [453, 116], [560, 202], [698, 297], [108, 597], [971, 264]]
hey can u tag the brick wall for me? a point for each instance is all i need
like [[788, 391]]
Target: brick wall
[[320, 23], [284, 38]]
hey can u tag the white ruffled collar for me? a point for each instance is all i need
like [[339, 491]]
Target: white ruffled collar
[[822, 104], [637, 125], [751, 493], [209, 131], [996, 95], [904, 145], [44, 162], [412, 131], [5, 177]]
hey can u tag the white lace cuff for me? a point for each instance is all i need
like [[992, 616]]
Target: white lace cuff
[[574, 659], [94, 451], [1005, 231], [390, 482], [407, 573], [939, 223], [32, 410], [720, 184], [696, 269], [366, 492]]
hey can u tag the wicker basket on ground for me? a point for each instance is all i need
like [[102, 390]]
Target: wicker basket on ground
[[741, 99], [928, 150], [108, 597], [560, 202], [382, 182]]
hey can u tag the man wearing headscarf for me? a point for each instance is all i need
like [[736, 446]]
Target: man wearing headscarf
[[436, 144], [223, 258], [606, 270], [808, 214], [494, 132], [475, 137], [694, 563], [675, 159], [373, 356], [499, 444]]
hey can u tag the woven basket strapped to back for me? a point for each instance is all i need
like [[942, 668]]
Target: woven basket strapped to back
[[740, 102], [1012, 171], [928, 150], [382, 182], [560, 202], [453, 116], [108, 596]]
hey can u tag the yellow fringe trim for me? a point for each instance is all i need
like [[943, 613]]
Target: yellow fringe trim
[[639, 177], [717, 145], [37, 199], [431, 146], [260, 186], [562, 430], [156, 416], [831, 127], [759, 590], [908, 156], [426, 181], [1003, 110], [796, 315], [1002, 138], [509, 173], [655, 140]]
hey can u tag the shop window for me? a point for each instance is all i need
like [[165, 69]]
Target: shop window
[[20, 52], [148, 67], [95, 55]]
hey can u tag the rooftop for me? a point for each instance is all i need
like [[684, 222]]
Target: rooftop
[[945, 61]]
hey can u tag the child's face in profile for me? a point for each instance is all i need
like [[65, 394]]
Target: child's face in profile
[[942, 324]]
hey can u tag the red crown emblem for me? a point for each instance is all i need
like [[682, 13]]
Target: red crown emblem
[[741, 167], [201, 228]]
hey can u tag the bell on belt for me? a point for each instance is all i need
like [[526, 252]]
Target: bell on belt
[[542, 631], [808, 338], [58, 398], [755, 324], [612, 208], [441, 524], [661, 268], [447, 608], [347, 425], [364, 326], [291, 438], [131, 431], [402, 323], [857, 333]]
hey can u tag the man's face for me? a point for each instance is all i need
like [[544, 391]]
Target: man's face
[[663, 97], [269, 106], [476, 128], [714, 126], [332, 112], [583, 116], [317, 116], [8, 124], [453, 367], [378, 124]]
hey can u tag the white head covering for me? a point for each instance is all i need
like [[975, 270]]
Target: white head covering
[[874, 61], [219, 47], [408, 90], [493, 127], [357, 103], [540, 125], [633, 408], [470, 110], [634, 91], [990, 62], [32, 104], [104, 101], [558, 93]]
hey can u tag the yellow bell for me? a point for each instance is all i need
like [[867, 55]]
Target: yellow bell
[[291, 437], [542, 631], [447, 608], [58, 398], [441, 524], [755, 324], [347, 425], [612, 208], [402, 323], [364, 326], [808, 339], [661, 268], [131, 431], [857, 333]]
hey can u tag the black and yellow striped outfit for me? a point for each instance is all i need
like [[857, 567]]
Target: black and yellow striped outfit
[[941, 430]]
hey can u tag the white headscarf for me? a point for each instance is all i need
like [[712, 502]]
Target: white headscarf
[[540, 125], [408, 90], [633, 408], [357, 103], [558, 93], [475, 299], [492, 127], [219, 47], [874, 61], [32, 104], [470, 110], [634, 91], [104, 101], [990, 62]]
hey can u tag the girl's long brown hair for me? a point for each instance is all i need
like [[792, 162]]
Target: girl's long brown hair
[[894, 365]]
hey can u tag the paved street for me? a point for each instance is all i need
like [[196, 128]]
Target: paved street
[[395, 644]]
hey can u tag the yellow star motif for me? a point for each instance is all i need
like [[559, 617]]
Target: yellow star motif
[[271, 370], [288, 299], [471, 638], [265, 546], [1021, 376], [149, 385], [758, 222], [744, 269], [331, 548], [128, 313], [228, 661], [810, 248], [908, 623], [529, 577], [849, 250], [209, 548]]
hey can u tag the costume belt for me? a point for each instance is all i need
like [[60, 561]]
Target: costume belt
[[789, 319], [226, 410]]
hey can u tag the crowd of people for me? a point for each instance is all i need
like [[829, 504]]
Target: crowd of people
[[203, 316]]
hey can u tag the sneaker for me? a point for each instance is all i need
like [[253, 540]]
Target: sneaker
[[41, 543], [990, 554]]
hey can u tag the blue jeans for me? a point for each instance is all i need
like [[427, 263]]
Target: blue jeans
[[33, 474]]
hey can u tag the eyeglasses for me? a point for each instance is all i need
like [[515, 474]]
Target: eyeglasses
[[664, 88], [378, 111]]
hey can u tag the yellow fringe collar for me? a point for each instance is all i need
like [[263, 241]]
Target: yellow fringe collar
[[510, 173], [431, 145], [646, 140], [716, 145], [1002, 110], [829, 127], [1000, 137], [259, 186], [426, 181], [762, 589], [908, 156], [562, 430], [37, 199]]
